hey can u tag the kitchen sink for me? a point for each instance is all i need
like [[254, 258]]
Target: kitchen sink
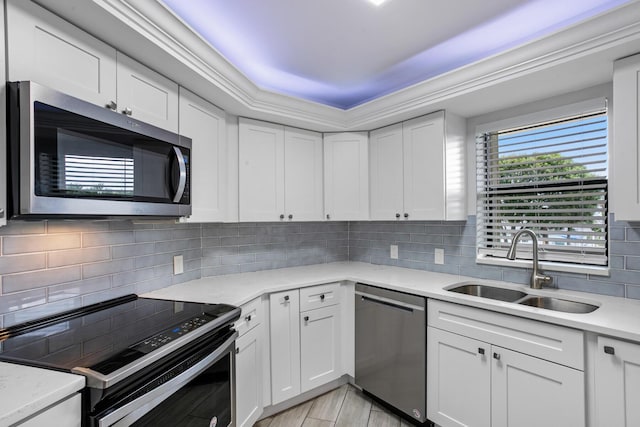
[[558, 304], [491, 292]]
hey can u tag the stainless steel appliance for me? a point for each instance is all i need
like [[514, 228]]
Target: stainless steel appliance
[[69, 157], [147, 362], [391, 348]]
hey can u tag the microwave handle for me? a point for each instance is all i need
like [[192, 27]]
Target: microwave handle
[[183, 175]]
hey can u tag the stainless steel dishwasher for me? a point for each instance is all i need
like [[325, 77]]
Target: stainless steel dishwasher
[[391, 348]]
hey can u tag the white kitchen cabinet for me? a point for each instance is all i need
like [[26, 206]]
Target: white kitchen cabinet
[[48, 50], [205, 125], [418, 169], [67, 413], [625, 147], [386, 176], [320, 355], [490, 369], [3, 123], [284, 312], [346, 176], [617, 383], [280, 173], [146, 95], [261, 170], [249, 374], [250, 356], [303, 199]]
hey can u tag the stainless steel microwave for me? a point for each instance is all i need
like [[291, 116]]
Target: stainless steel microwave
[[67, 157]]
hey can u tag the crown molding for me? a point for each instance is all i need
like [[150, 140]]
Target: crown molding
[[148, 31]]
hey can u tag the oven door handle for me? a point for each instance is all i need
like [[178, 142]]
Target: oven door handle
[[129, 413]]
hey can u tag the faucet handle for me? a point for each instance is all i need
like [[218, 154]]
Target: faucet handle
[[541, 280]]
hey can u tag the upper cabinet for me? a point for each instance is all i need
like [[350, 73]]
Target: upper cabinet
[[346, 176], [417, 169], [280, 173], [49, 50], [3, 126], [625, 147], [205, 125]]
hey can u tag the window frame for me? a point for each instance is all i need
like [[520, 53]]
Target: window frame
[[540, 117]]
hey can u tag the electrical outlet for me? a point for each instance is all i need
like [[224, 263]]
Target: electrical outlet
[[178, 265], [439, 256], [393, 252]]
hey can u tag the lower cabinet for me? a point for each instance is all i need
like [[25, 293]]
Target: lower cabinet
[[305, 345], [617, 383], [319, 347], [67, 413], [249, 358], [475, 378]]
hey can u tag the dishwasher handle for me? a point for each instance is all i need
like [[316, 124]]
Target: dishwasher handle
[[390, 303]]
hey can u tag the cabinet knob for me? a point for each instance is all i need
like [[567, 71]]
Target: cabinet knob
[[286, 297], [112, 106], [328, 216], [248, 318], [1, 213], [290, 216], [322, 297], [306, 318], [496, 356], [127, 111], [397, 215], [281, 216], [480, 350], [609, 350], [237, 350], [406, 215]]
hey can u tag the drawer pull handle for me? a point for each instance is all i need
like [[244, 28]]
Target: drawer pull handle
[[481, 350], [286, 297], [609, 350], [306, 318], [322, 297], [248, 318], [496, 356]]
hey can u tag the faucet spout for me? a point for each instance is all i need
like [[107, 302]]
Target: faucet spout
[[538, 278]]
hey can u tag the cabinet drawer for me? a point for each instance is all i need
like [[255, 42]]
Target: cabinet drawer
[[251, 316], [319, 296], [557, 344]]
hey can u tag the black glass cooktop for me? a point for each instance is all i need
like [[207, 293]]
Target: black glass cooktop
[[108, 335]]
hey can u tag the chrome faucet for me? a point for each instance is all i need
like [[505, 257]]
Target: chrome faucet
[[538, 278]]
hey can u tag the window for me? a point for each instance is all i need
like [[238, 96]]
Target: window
[[550, 178]]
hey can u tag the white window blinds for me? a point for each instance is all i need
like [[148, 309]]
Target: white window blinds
[[550, 178]]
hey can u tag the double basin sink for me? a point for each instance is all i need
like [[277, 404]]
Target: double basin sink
[[523, 298]]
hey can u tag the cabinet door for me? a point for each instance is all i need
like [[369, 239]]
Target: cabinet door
[[387, 198], [261, 171], [319, 346], [346, 176], [458, 380], [67, 413], [205, 125], [424, 160], [284, 309], [617, 383], [3, 125], [625, 150], [249, 377], [146, 95], [303, 175], [531, 392], [47, 49]]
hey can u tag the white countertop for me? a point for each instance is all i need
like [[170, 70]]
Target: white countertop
[[617, 317], [26, 390]]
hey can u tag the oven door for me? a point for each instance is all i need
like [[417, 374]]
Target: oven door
[[203, 394]]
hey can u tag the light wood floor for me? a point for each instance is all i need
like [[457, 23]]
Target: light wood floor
[[343, 407]]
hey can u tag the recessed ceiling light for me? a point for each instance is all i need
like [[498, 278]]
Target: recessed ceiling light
[[377, 2]]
